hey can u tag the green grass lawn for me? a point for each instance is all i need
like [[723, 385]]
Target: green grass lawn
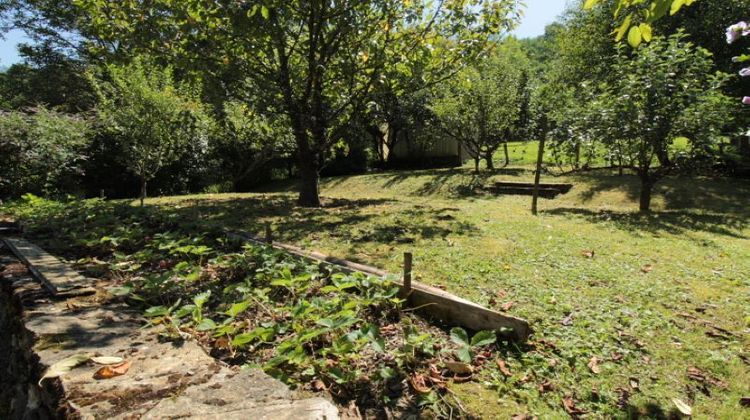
[[663, 293], [661, 311]]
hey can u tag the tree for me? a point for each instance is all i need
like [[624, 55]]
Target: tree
[[318, 60], [640, 15], [250, 139], [664, 91], [481, 106], [40, 151], [46, 77], [150, 116]]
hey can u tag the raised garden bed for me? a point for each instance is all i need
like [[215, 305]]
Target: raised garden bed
[[522, 188]]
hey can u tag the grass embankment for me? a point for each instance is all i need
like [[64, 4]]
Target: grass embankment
[[630, 311], [616, 333]]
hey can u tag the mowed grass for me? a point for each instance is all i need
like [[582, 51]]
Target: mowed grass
[[615, 334]]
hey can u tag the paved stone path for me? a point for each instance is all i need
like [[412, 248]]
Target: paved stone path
[[165, 380]]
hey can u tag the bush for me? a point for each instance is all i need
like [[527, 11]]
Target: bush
[[41, 152]]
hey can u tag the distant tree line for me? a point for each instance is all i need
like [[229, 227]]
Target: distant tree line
[[164, 97]]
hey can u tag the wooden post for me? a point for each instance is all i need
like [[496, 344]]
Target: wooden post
[[269, 234], [407, 272], [102, 195], [537, 177]]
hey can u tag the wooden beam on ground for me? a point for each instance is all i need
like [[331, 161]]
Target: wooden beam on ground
[[55, 275], [431, 301]]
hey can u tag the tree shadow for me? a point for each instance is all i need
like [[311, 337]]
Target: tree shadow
[[674, 222], [357, 221], [717, 195]]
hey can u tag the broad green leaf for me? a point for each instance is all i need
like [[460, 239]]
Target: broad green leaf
[[590, 3], [207, 324], [464, 354], [623, 29], [265, 12], [646, 32], [483, 338], [242, 339], [676, 6], [459, 336], [201, 298], [238, 308], [155, 311], [634, 37]]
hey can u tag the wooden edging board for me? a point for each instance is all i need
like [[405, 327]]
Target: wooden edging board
[[451, 309], [56, 276]]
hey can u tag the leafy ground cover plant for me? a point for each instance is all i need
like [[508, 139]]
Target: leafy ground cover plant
[[311, 327]]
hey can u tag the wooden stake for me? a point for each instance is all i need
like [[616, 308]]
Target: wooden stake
[[407, 271], [537, 177], [269, 234]]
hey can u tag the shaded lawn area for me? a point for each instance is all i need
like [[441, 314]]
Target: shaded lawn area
[[615, 333]]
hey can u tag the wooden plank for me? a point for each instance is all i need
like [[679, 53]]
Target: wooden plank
[[55, 275], [431, 301]]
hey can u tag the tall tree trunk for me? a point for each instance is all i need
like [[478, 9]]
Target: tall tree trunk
[[308, 181], [507, 155], [488, 159], [537, 177], [144, 184], [477, 158], [647, 186], [577, 163]]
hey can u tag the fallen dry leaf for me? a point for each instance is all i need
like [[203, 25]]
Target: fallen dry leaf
[[546, 386], [459, 368], [647, 268], [570, 406], [64, 366], [623, 398], [682, 407], [107, 360], [222, 343], [503, 367], [588, 254], [594, 365], [109, 372], [507, 306], [523, 417], [568, 320], [699, 376], [635, 383], [419, 384], [616, 357], [318, 385]]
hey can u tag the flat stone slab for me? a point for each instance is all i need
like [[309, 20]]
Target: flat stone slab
[[57, 276], [166, 379]]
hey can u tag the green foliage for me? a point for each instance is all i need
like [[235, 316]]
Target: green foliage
[[481, 106], [253, 305], [41, 151], [640, 15], [663, 92], [149, 115], [317, 62]]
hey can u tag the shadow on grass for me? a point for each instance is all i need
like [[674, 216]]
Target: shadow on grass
[[674, 222], [348, 220], [717, 195]]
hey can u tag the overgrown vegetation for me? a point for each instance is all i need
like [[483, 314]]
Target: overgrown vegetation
[[313, 328]]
